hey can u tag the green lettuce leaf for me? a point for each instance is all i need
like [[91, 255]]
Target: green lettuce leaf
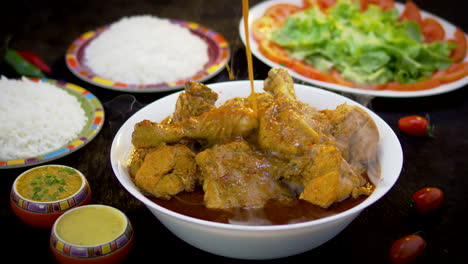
[[366, 47]]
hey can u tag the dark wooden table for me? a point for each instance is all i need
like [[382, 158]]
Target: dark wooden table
[[49, 27]]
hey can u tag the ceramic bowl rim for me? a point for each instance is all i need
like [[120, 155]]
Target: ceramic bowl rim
[[84, 182]]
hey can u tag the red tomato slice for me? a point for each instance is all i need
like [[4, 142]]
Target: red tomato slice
[[338, 79], [263, 27], [309, 3], [422, 85], [280, 12], [411, 11], [309, 71], [384, 4], [274, 53], [454, 72], [432, 30], [459, 53], [323, 4]]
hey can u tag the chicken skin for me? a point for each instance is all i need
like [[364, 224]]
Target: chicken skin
[[194, 101], [356, 136], [267, 146], [287, 127], [167, 171], [234, 119], [323, 176], [234, 175]]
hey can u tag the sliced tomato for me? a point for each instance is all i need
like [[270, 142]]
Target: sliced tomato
[[274, 53], [384, 4], [323, 4], [263, 27], [280, 12], [459, 38], [432, 30], [309, 3], [338, 79], [412, 12], [372, 86], [422, 85], [309, 71], [454, 72]]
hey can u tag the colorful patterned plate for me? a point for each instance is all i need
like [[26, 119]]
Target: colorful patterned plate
[[218, 53], [93, 110]]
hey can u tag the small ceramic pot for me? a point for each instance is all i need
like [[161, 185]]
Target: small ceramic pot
[[42, 214], [92, 234]]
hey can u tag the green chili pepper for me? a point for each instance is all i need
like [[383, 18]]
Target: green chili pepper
[[21, 66]]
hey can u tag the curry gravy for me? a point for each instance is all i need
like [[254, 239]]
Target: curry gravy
[[49, 183], [273, 213]]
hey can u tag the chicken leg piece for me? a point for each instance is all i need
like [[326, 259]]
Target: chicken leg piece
[[288, 127], [234, 119], [280, 84], [194, 101]]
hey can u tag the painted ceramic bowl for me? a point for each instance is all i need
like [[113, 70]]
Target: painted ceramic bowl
[[41, 194], [92, 233]]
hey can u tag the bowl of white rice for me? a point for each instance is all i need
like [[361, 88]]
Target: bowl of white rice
[[145, 53], [43, 120]]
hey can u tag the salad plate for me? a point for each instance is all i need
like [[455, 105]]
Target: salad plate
[[94, 112], [218, 56], [258, 10]]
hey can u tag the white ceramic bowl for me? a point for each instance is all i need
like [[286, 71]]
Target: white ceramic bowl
[[256, 242]]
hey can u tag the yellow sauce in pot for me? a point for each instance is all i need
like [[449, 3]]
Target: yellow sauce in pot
[[91, 225]]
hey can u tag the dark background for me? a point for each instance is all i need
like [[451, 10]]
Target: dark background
[[49, 27]]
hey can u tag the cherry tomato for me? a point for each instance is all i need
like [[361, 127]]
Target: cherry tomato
[[459, 53], [414, 125], [407, 249], [428, 199], [411, 11], [280, 12], [432, 30]]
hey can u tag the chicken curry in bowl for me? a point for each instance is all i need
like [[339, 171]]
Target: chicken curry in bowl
[[267, 154]]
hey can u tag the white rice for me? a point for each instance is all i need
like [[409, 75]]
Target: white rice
[[36, 118], [146, 50]]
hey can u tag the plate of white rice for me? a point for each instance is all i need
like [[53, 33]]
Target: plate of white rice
[[145, 53], [43, 119]]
